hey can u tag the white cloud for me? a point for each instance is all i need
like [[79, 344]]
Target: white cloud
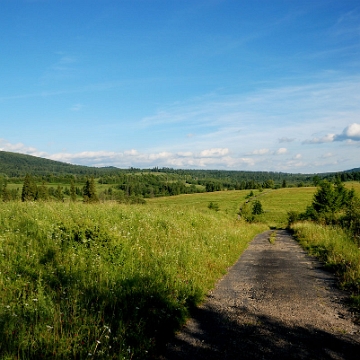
[[351, 132], [325, 139], [259, 152], [216, 158], [19, 148], [185, 153], [131, 152], [214, 152], [281, 151], [327, 155]]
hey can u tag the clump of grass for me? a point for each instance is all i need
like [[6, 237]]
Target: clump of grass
[[272, 237], [213, 206], [337, 249], [106, 280]]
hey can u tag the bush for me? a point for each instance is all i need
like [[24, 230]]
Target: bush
[[293, 217], [257, 208]]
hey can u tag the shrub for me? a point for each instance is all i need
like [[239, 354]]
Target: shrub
[[257, 208]]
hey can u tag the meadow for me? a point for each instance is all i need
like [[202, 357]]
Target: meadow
[[276, 202], [114, 281], [106, 280]]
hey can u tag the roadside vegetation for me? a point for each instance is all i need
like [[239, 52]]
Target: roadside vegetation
[[329, 228]]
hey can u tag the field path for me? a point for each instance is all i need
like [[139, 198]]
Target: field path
[[275, 303]]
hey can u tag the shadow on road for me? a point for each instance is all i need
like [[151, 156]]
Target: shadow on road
[[217, 337]]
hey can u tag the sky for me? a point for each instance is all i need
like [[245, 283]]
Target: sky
[[259, 85]]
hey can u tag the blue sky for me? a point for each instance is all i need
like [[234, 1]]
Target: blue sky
[[271, 85]]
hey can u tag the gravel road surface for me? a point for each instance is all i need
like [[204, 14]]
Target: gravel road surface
[[275, 303]]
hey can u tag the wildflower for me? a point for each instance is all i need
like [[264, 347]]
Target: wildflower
[[107, 328]]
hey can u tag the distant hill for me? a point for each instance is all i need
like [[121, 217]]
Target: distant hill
[[353, 170], [17, 165]]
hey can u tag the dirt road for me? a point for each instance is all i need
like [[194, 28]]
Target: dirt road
[[275, 303]]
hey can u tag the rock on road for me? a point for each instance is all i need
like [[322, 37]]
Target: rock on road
[[276, 302]]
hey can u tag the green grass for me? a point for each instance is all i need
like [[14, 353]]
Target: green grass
[[336, 249], [277, 204], [116, 281], [229, 201], [108, 280]]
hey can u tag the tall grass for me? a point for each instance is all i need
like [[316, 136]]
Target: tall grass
[[337, 249], [107, 280]]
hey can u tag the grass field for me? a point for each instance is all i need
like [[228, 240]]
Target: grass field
[[106, 280], [112, 281], [276, 203]]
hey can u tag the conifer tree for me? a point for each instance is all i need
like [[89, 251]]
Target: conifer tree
[[29, 189], [89, 192], [5, 193], [72, 191], [42, 192], [59, 193]]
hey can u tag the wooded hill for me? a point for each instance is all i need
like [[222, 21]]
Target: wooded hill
[[18, 165], [14, 167]]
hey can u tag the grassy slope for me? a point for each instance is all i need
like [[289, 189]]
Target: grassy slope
[[276, 203]]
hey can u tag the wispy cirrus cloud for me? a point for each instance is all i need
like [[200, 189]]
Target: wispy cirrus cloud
[[76, 107], [286, 140]]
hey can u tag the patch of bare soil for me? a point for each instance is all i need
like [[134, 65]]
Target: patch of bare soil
[[275, 303]]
